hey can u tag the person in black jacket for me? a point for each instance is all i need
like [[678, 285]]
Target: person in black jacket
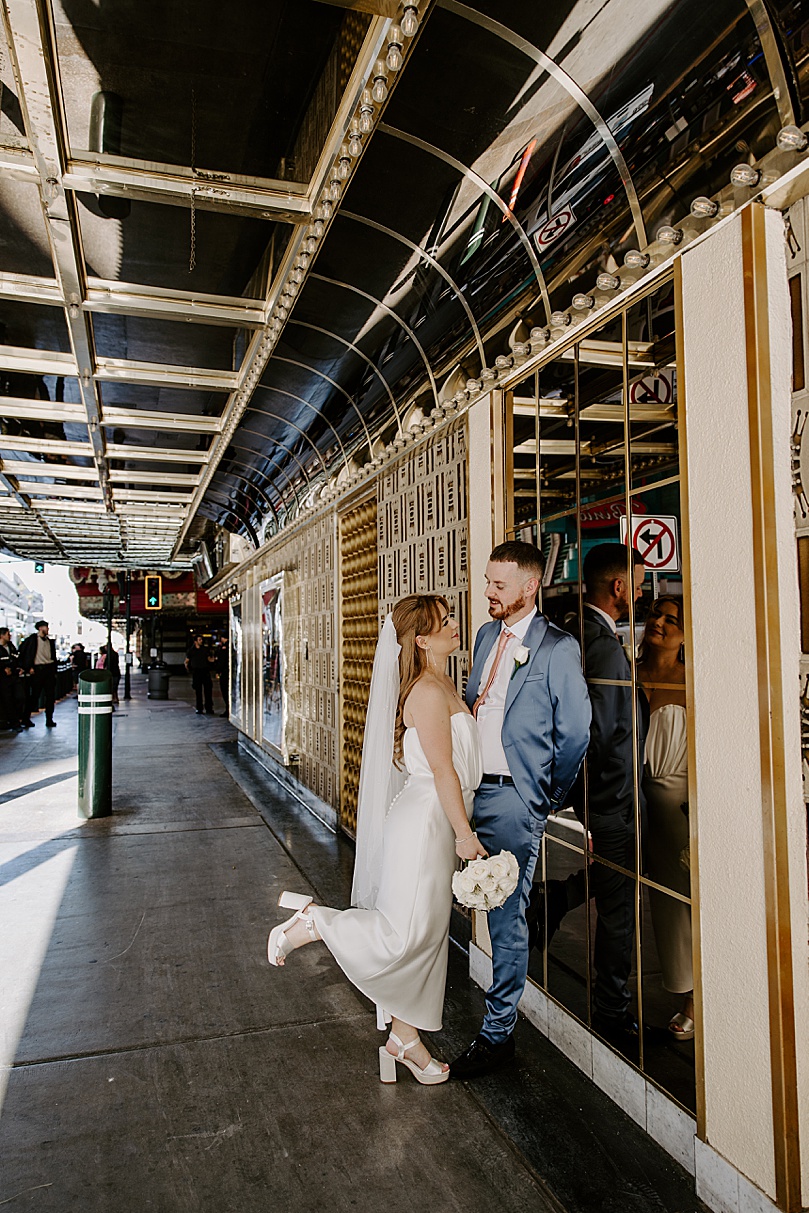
[[113, 665], [222, 667], [608, 782], [38, 661], [10, 685], [199, 662], [79, 661]]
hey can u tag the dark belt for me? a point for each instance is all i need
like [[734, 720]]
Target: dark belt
[[503, 781]]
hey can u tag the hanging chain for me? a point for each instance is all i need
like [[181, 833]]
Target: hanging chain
[[192, 257]]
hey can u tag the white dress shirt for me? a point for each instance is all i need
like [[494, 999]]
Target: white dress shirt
[[490, 712], [608, 619]]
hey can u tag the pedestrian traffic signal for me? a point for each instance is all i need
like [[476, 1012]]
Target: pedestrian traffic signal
[[154, 592]]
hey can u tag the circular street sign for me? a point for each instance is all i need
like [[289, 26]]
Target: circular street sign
[[655, 541], [651, 389]]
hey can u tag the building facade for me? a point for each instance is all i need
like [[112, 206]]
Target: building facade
[[678, 408]]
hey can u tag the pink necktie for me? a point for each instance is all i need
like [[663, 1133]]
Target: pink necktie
[[501, 648]]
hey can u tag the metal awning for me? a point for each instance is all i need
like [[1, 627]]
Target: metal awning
[[242, 246]]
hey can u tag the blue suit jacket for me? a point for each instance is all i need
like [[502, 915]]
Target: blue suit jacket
[[546, 722]]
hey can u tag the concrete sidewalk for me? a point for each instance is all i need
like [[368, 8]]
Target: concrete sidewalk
[[152, 1059]]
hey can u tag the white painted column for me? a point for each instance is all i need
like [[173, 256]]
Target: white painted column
[[728, 782]]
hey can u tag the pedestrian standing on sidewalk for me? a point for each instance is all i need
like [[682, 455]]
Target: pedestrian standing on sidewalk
[[38, 660], [200, 662], [9, 682]]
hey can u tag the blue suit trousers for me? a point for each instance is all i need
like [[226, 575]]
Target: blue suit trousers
[[504, 822]]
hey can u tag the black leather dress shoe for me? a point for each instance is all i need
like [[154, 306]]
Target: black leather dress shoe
[[481, 1057]]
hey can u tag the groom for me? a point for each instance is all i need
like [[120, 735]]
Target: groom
[[528, 694]]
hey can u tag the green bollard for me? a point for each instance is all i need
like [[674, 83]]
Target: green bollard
[[95, 743]]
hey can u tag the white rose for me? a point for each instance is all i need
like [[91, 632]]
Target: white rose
[[499, 867], [466, 881], [511, 860], [521, 654], [487, 884], [478, 868]]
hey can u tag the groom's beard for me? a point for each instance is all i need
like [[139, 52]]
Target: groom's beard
[[499, 610]]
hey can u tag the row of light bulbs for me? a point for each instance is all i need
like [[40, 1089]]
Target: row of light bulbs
[[789, 139], [360, 126], [443, 412]]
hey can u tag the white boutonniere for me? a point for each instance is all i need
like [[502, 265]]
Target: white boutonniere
[[521, 655]]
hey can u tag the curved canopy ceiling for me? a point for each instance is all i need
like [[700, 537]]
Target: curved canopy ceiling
[[200, 326]]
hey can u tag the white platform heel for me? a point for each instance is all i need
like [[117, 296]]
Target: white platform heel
[[278, 946], [432, 1073]]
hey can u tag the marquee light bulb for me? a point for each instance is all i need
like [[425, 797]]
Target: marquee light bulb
[[704, 208], [745, 175], [635, 260], [410, 20], [790, 138]]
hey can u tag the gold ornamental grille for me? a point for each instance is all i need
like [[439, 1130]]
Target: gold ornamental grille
[[359, 613]]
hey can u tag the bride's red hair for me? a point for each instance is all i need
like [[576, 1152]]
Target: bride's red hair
[[416, 615]]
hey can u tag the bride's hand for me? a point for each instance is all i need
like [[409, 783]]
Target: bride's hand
[[471, 848]]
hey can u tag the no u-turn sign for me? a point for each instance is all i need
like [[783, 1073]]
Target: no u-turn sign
[[656, 540]]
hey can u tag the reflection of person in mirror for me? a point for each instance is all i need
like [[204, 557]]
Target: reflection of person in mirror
[[661, 671], [272, 673], [607, 787]]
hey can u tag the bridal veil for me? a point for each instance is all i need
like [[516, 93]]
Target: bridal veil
[[380, 781]]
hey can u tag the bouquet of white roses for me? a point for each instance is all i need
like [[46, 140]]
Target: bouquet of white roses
[[484, 884]]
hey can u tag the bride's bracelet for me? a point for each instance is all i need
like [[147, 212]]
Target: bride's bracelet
[[460, 841]]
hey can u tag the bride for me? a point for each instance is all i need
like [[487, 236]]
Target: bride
[[411, 825]]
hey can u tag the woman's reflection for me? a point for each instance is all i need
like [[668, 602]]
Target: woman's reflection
[[661, 671]]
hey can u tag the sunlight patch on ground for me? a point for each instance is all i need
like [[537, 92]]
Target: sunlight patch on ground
[[31, 903]]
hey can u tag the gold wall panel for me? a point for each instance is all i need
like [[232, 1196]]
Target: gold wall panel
[[359, 629]]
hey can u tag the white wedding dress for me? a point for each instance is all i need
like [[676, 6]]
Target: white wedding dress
[[665, 783], [396, 954]]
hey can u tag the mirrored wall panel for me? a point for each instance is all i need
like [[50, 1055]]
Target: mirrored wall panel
[[596, 483]]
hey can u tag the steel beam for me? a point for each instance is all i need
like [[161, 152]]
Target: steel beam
[[22, 468], [142, 419], [147, 495], [134, 299], [30, 288], [37, 488], [126, 370], [37, 362], [151, 454], [31, 44], [46, 446], [23, 408], [184, 479], [176, 185]]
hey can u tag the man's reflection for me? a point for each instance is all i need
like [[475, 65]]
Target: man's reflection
[[607, 784]]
